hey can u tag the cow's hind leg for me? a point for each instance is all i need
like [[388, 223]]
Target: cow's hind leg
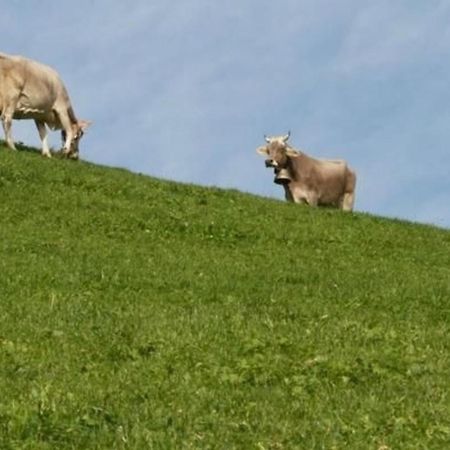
[[7, 125], [348, 200], [43, 135]]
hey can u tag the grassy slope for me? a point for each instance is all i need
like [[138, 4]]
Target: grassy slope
[[138, 313]]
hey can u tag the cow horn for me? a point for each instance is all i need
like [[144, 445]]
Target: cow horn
[[266, 139], [287, 136]]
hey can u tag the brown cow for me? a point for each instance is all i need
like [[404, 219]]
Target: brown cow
[[31, 90], [308, 180]]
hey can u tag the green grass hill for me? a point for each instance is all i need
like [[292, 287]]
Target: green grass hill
[[137, 313]]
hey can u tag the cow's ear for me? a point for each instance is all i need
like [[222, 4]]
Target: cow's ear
[[291, 152], [262, 150], [84, 124]]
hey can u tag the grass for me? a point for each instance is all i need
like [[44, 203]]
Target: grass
[[138, 313]]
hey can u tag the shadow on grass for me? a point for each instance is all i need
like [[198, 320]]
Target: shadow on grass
[[21, 147]]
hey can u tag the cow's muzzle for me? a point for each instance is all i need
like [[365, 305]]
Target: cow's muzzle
[[270, 163]]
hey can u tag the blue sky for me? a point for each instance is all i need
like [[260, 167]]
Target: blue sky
[[185, 90]]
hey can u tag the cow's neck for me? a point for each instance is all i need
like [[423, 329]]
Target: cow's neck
[[71, 114], [295, 164]]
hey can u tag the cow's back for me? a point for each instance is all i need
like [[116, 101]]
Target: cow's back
[[39, 87]]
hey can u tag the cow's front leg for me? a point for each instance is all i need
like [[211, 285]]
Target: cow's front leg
[[67, 132], [306, 198], [288, 194], [67, 143], [294, 195], [43, 135], [312, 200], [300, 200]]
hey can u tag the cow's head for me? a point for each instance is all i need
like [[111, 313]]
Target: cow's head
[[277, 151], [78, 129]]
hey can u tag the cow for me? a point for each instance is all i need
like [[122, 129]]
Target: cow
[[315, 182], [31, 90]]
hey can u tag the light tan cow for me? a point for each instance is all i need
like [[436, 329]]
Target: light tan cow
[[307, 180], [31, 90]]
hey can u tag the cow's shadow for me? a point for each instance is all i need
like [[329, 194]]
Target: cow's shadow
[[21, 147]]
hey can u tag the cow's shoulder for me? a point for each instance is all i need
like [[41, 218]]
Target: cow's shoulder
[[42, 69]]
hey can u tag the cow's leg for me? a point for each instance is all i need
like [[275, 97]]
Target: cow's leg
[[43, 135], [63, 137], [288, 194], [9, 107], [7, 124], [312, 199], [348, 201], [300, 200], [69, 137], [67, 133]]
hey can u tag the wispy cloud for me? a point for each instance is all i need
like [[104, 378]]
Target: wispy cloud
[[384, 35]]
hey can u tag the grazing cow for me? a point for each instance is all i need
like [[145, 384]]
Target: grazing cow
[[31, 90], [308, 180]]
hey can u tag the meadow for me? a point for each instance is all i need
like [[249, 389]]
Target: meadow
[[138, 313]]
